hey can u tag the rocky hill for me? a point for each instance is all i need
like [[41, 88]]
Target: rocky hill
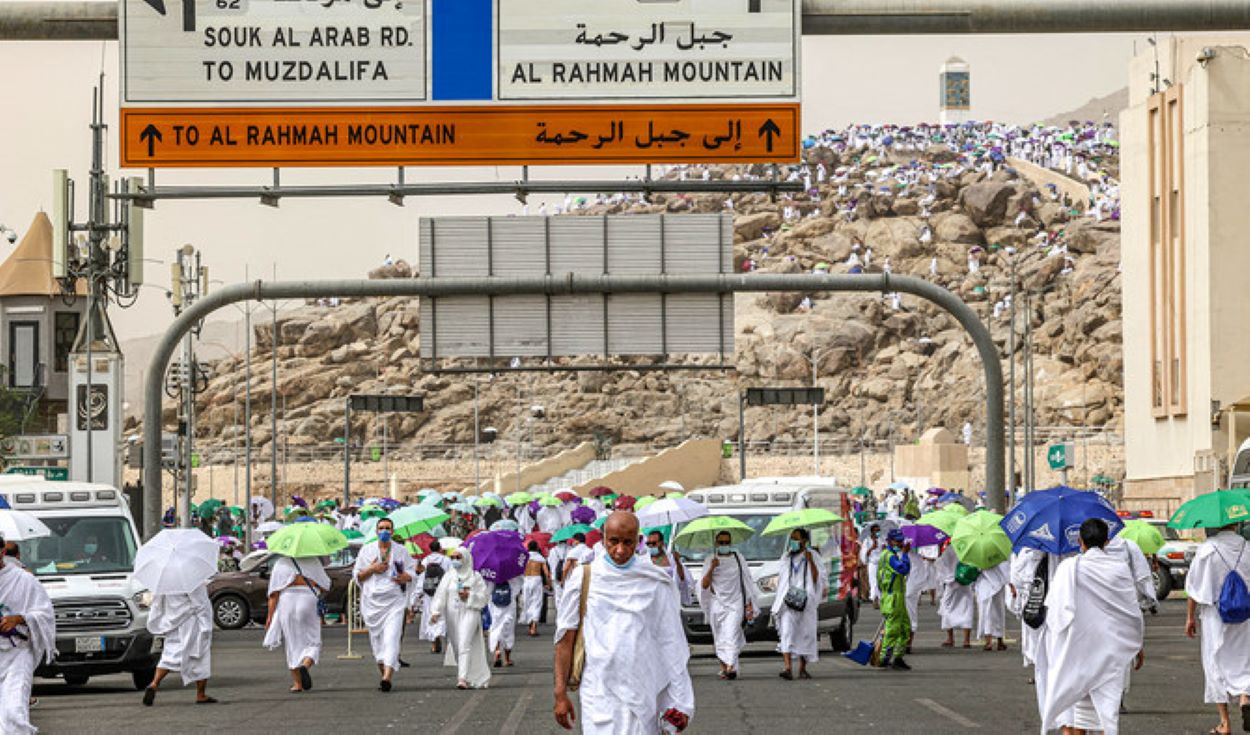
[[889, 366]]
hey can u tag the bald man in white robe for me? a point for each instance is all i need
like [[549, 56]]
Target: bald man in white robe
[[27, 638], [636, 652]]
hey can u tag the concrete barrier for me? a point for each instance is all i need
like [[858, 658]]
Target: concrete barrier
[[695, 464]]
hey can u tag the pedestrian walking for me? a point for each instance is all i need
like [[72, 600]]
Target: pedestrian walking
[[27, 639], [624, 614], [802, 582], [536, 580], [185, 621], [1092, 636], [892, 582], [503, 604], [958, 602], [459, 600], [727, 596], [295, 587], [384, 569], [990, 591], [433, 567], [1225, 645]]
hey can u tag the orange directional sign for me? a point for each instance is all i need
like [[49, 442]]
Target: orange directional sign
[[414, 136]]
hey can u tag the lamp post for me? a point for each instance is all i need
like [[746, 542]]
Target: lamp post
[[814, 360]]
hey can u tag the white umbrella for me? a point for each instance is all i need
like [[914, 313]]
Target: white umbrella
[[448, 543], [669, 511], [673, 486], [176, 561], [269, 527], [18, 525], [262, 506]]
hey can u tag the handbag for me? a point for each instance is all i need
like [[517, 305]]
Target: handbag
[[579, 641], [1034, 613], [742, 586], [322, 608], [796, 597]]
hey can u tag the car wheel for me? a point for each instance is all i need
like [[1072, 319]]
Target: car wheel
[[841, 638], [1163, 583], [76, 680], [142, 678], [230, 612]]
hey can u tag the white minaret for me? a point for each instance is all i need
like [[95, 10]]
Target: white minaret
[[955, 91]]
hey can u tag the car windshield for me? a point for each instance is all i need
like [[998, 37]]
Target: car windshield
[[81, 545], [756, 548]]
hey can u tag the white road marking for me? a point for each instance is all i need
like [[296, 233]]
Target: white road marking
[[455, 723], [948, 713]]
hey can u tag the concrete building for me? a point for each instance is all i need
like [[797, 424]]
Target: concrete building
[[38, 326], [1185, 151], [955, 91]]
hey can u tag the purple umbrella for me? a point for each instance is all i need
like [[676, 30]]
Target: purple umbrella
[[534, 506], [922, 535], [498, 555], [582, 514], [227, 540], [935, 491]]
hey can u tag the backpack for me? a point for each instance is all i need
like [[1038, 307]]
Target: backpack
[[966, 574], [1034, 612], [1234, 602], [433, 575], [501, 596]]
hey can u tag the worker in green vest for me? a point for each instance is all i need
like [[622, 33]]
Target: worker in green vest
[[892, 574]]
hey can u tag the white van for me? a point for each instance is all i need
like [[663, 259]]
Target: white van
[[756, 502], [86, 566]]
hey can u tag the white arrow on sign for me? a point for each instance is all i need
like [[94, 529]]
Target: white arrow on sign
[[188, 12]]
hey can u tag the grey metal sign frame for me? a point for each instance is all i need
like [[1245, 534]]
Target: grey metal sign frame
[[553, 285]]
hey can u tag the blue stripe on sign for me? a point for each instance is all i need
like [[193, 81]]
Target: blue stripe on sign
[[463, 38]]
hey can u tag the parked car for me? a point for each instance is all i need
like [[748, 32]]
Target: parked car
[[242, 596], [1172, 561], [756, 502]]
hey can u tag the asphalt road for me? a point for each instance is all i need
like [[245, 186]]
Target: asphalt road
[[949, 691]]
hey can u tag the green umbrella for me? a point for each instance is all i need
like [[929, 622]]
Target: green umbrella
[[566, 533], [673, 495], [942, 520], [861, 490], [550, 501], [808, 518], [980, 541], [299, 540], [413, 549], [210, 506], [1213, 510], [598, 524], [372, 511], [487, 500], [955, 508], [412, 520], [351, 534], [236, 510], [643, 502], [518, 498], [1145, 535], [702, 532]]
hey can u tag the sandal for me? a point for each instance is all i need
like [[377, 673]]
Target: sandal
[[305, 678], [785, 674], [731, 675], [948, 644], [723, 676], [149, 696], [1002, 646], [206, 700], [1245, 718], [804, 675]]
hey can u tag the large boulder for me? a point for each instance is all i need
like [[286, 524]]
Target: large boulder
[[956, 227], [986, 202]]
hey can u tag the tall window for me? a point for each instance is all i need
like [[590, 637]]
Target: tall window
[[23, 354], [1168, 358], [66, 328]]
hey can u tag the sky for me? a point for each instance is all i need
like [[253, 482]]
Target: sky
[[45, 113]]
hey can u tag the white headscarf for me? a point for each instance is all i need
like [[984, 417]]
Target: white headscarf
[[466, 568]]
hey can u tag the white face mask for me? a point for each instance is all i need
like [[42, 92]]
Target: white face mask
[[457, 563]]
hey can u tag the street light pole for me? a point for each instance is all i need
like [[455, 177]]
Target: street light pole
[[1011, 390], [477, 436], [273, 404]]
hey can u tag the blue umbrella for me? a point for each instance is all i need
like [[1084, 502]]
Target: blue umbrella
[[1050, 520]]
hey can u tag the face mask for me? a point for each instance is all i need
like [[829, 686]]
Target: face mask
[[626, 565], [384, 536], [457, 563], [90, 548], [723, 551], [653, 550], [795, 546]]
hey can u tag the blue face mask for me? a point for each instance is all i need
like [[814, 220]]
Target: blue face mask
[[626, 565], [795, 546], [654, 550], [724, 550], [384, 536], [90, 548]]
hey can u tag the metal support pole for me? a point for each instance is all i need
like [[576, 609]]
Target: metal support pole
[[742, 436], [574, 285], [1029, 459], [96, 20], [347, 451], [273, 408], [815, 417], [188, 398], [477, 437], [247, 407], [1011, 390]]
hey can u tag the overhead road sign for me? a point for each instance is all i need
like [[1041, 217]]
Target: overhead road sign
[[784, 396], [274, 83], [172, 137]]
